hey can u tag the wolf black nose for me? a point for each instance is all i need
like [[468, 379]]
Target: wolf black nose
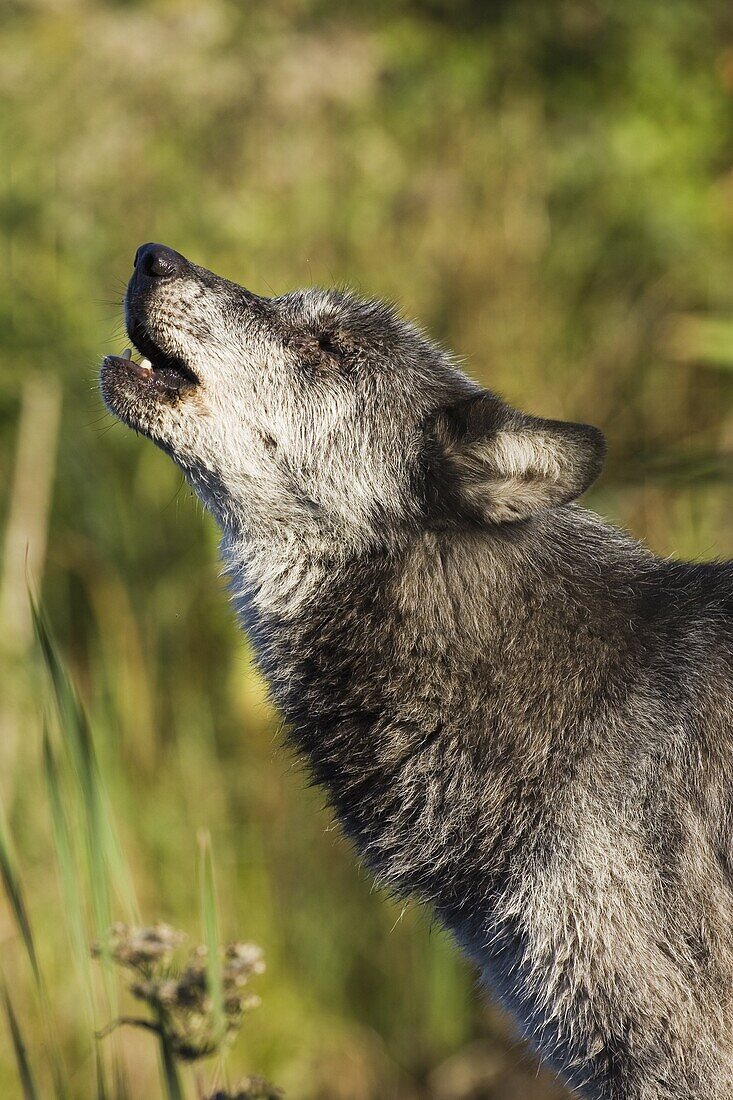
[[158, 262]]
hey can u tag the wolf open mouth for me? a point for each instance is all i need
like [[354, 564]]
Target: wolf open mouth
[[157, 367]]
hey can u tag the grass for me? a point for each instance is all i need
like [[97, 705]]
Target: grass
[[548, 191], [94, 881], [25, 1074]]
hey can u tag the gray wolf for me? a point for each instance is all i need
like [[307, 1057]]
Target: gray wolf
[[521, 715]]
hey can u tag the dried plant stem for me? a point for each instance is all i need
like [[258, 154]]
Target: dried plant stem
[[128, 1021]]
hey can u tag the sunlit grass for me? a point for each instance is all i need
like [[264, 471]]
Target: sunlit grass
[[26, 1079], [94, 881], [550, 197]]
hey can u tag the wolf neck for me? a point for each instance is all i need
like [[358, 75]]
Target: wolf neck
[[279, 576], [409, 680], [344, 642]]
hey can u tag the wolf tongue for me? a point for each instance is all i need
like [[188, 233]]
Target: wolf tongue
[[142, 370]]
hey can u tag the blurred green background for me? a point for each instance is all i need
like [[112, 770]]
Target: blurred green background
[[548, 188]]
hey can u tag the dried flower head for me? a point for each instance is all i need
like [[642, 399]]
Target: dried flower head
[[177, 991], [241, 960], [140, 948]]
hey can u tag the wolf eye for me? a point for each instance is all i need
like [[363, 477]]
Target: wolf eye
[[316, 351], [325, 343]]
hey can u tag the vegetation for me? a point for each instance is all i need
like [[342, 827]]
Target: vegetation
[[549, 188]]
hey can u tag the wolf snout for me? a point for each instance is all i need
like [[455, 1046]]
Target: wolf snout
[[157, 261]]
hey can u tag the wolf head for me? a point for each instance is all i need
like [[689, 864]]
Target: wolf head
[[323, 415]]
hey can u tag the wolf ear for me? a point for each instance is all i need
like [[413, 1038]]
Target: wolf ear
[[500, 465]]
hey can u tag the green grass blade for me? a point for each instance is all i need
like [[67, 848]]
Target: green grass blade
[[66, 869], [11, 881], [63, 690], [30, 1092], [210, 924]]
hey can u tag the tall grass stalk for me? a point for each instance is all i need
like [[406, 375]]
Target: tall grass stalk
[[210, 929], [67, 874], [14, 892], [25, 1074]]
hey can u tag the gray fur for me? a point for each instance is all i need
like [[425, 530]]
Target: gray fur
[[521, 716]]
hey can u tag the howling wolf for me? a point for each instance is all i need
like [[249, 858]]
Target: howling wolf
[[521, 716]]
